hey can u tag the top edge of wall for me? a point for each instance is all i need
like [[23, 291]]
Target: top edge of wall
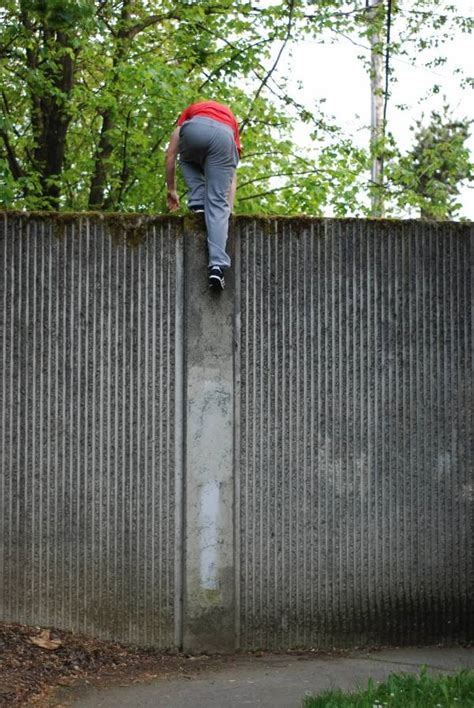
[[240, 218], [100, 215]]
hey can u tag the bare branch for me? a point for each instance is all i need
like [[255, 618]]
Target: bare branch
[[279, 174], [274, 66], [349, 39], [263, 194], [232, 58]]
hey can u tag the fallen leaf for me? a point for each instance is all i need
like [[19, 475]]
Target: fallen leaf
[[44, 641]]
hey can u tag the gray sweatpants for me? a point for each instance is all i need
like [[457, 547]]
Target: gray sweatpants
[[208, 159]]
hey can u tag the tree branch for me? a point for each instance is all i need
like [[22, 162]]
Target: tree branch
[[263, 194], [274, 66], [387, 63], [14, 165], [232, 58], [125, 173], [279, 174], [4, 50], [152, 20]]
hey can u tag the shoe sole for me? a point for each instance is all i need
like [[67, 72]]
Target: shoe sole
[[216, 283]]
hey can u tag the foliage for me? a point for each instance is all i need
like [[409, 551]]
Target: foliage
[[404, 691], [90, 92], [431, 173]]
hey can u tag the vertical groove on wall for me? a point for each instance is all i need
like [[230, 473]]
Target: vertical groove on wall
[[179, 378], [88, 427], [237, 439], [356, 445], [353, 431]]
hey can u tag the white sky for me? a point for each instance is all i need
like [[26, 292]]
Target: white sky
[[335, 73]]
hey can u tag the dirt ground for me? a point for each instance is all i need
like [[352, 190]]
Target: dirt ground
[[29, 673]]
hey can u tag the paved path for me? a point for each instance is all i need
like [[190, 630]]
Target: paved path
[[271, 681]]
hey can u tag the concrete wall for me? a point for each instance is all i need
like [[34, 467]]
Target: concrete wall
[[90, 434], [355, 452], [287, 464]]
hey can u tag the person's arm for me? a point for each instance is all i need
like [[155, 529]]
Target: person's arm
[[171, 155]]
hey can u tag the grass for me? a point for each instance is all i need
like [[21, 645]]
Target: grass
[[404, 691]]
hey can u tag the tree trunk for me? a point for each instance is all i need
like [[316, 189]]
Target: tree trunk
[[105, 146], [377, 101], [103, 153], [56, 122], [50, 114]]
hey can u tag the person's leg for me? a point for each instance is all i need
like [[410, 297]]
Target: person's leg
[[219, 171], [191, 156], [195, 182], [208, 156]]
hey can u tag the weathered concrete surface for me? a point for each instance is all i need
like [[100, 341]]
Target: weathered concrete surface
[[291, 461], [90, 327], [208, 609], [272, 681], [355, 448]]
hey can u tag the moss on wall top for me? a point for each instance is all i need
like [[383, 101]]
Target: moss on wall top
[[133, 228]]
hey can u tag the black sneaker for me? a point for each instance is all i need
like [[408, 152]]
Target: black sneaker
[[216, 278], [197, 208]]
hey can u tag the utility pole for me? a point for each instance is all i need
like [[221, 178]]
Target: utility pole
[[377, 129]]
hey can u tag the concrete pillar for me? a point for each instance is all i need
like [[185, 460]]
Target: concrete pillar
[[208, 606]]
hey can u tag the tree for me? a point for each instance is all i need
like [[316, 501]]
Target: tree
[[421, 29], [431, 173], [91, 91], [39, 52], [376, 12]]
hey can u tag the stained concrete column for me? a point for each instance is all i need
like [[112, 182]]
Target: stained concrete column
[[209, 559]]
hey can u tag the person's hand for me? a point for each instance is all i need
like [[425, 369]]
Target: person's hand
[[172, 200]]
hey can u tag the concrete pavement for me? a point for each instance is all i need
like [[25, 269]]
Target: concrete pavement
[[270, 681]]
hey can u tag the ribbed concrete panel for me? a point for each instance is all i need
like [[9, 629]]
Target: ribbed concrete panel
[[349, 406], [90, 433], [354, 442]]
